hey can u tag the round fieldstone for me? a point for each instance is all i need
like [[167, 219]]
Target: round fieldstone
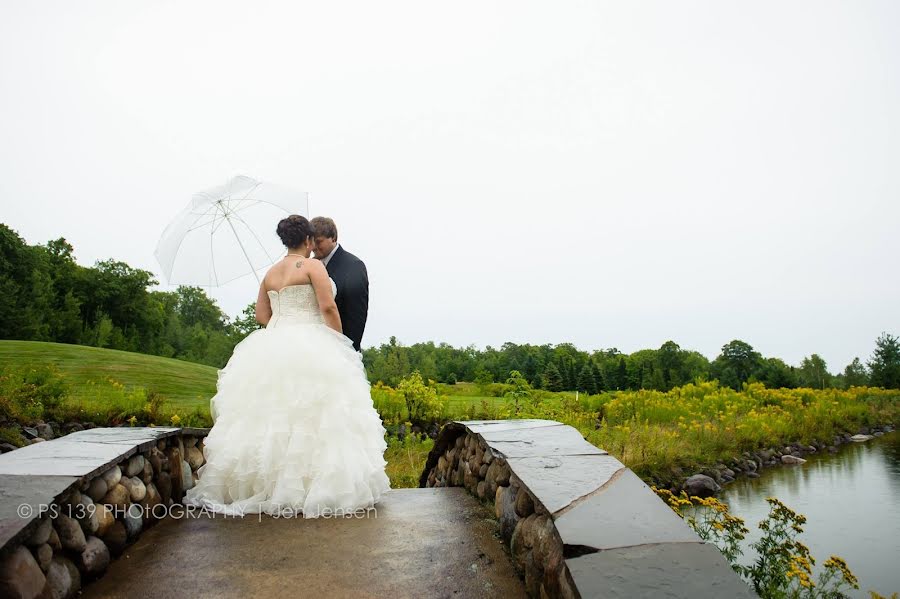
[[136, 488], [521, 542], [87, 516], [503, 473], [63, 579], [470, 479], [20, 574], [790, 459], [71, 536], [41, 534], [194, 457], [701, 486], [508, 517], [54, 541], [146, 475], [112, 476], [187, 481], [94, 560], [116, 538], [43, 555], [117, 496], [189, 441], [45, 431], [105, 519], [481, 489], [134, 520], [134, 466], [164, 486], [156, 461], [97, 488], [524, 504]]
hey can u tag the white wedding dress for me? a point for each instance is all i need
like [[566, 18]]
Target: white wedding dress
[[294, 428]]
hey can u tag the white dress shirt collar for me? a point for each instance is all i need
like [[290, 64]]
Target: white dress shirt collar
[[328, 257]]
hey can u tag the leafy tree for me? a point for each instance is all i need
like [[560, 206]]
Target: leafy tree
[[775, 374], [856, 374], [422, 403], [246, 322], [884, 364], [737, 362], [519, 390], [814, 372], [483, 378]]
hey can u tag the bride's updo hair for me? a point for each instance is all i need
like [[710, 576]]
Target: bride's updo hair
[[294, 230]]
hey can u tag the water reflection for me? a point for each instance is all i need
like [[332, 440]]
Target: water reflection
[[850, 501]]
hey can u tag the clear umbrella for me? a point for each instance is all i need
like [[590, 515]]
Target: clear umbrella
[[227, 232]]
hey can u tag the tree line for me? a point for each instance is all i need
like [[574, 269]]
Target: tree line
[[46, 296], [563, 367]]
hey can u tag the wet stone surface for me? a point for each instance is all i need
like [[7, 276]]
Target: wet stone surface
[[488, 426], [559, 481], [33, 491], [121, 435], [680, 570], [601, 522], [542, 441], [557, 495], [62, 457]]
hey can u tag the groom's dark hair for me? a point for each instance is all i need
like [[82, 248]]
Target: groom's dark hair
[[294, 230], [322, 226]]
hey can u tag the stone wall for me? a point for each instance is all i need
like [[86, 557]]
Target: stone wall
[[577, 522], [70, 505]]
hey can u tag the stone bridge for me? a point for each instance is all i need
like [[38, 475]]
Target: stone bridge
[[511, 508]]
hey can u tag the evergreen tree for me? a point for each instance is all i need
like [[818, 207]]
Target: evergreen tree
[[586, 382], [598, 377], [552, 379], [622, 374], [885, 362]]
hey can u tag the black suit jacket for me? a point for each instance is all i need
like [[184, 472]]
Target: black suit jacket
[[352, 280]]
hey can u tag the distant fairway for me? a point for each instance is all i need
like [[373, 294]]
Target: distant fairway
[[184, 384]]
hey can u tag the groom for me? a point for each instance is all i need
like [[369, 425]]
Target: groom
[[350, 276]]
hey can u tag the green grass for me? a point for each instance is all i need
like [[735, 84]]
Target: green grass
[[185, 385]]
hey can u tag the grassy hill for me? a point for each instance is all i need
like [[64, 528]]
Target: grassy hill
[[184, 384]]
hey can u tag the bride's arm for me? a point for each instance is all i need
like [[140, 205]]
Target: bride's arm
[[318, 276], [263, 306]]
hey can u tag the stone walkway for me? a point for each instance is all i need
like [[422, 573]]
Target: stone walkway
[[422, 543]]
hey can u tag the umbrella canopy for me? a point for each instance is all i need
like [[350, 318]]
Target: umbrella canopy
[[227, 232]]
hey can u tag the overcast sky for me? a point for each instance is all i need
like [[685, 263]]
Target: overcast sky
[[605, 174]]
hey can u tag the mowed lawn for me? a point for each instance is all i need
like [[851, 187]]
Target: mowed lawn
[[184, 384]]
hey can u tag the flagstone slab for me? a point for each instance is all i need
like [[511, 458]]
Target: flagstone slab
[[624, 513], [62, 457], [540, 441], [144, 437], [676, 570], [621, 539], [487, 426], [558, 481], [22, 499]]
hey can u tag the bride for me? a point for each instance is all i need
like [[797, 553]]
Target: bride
[[294, 428]]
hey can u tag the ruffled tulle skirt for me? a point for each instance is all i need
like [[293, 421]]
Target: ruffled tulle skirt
[[294, 429]]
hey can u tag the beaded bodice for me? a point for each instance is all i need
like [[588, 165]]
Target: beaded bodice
[[295, 304]]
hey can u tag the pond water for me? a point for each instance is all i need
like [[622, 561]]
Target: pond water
[[850, 500]]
